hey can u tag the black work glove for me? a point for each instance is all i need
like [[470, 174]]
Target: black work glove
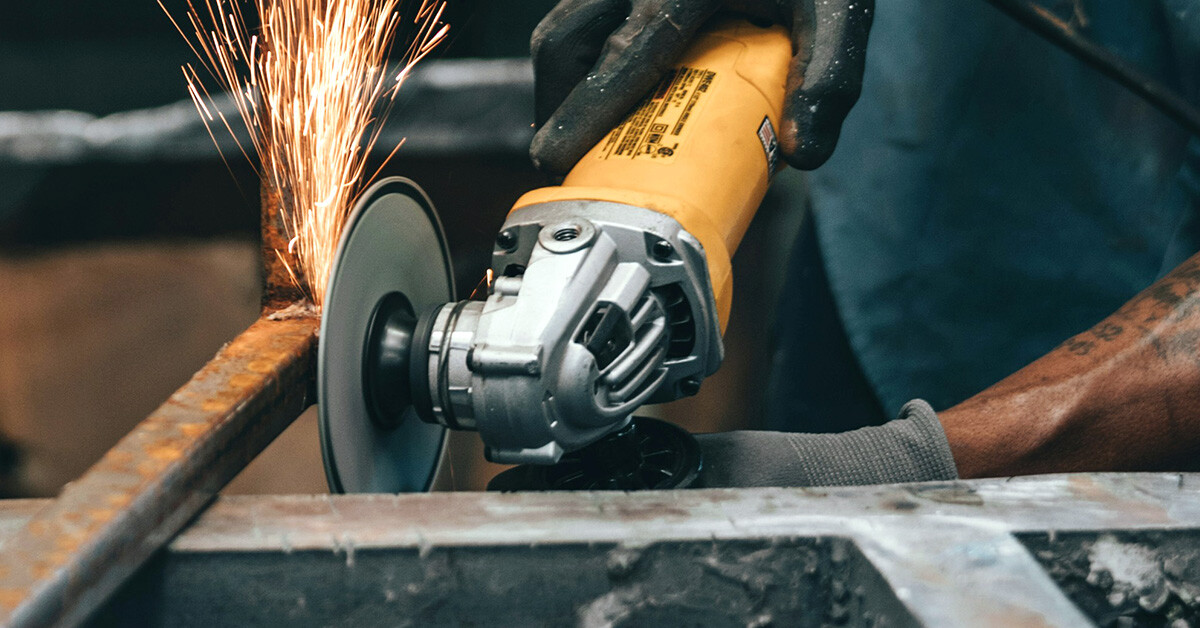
[[912, 448], [595, 59]]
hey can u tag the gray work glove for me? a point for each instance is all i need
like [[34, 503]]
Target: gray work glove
[[595, 59], [912, 448]]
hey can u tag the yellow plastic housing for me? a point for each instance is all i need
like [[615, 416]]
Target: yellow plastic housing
[[709, 173]]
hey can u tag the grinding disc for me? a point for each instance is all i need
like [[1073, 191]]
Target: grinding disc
[[393, 242]]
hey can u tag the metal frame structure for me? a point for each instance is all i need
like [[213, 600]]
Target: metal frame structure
[[1119, 549], [64, 561]]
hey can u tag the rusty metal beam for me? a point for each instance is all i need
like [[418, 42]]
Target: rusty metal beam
[[279, 290], [72, 554]]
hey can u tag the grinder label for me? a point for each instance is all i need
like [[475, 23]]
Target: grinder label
[[766, 135], [656, 127]]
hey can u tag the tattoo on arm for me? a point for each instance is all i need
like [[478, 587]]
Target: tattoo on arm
[[1173, 298], [1078, 346], [1107, 332], [1167, 315]]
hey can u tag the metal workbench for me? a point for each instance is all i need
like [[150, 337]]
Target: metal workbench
[[1124, 548]]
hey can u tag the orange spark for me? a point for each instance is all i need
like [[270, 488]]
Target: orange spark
[[308, 85], [484, 287]]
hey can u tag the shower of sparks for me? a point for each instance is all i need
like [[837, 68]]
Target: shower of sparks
[[312, 86]]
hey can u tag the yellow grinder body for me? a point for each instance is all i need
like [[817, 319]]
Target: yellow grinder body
[[700, 149]]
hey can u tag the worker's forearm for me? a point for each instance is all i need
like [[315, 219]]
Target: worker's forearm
[[1123, 395]]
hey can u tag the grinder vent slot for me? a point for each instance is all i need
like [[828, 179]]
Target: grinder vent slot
[[606, 334], [680, 324], [637, 366]]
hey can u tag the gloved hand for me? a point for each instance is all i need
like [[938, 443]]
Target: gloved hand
[[595, 59], [912, 448]]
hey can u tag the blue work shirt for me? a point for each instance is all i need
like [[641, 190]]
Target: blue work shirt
[[991, 195]]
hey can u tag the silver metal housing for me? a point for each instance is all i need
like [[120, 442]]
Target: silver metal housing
[[596, 309]]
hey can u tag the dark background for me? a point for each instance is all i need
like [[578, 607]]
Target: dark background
[[103, 57], [111, 57]]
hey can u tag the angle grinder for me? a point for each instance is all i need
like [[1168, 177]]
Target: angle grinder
[[609, 292]]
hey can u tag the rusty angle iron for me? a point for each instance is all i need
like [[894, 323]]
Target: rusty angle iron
[[62, 563]]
